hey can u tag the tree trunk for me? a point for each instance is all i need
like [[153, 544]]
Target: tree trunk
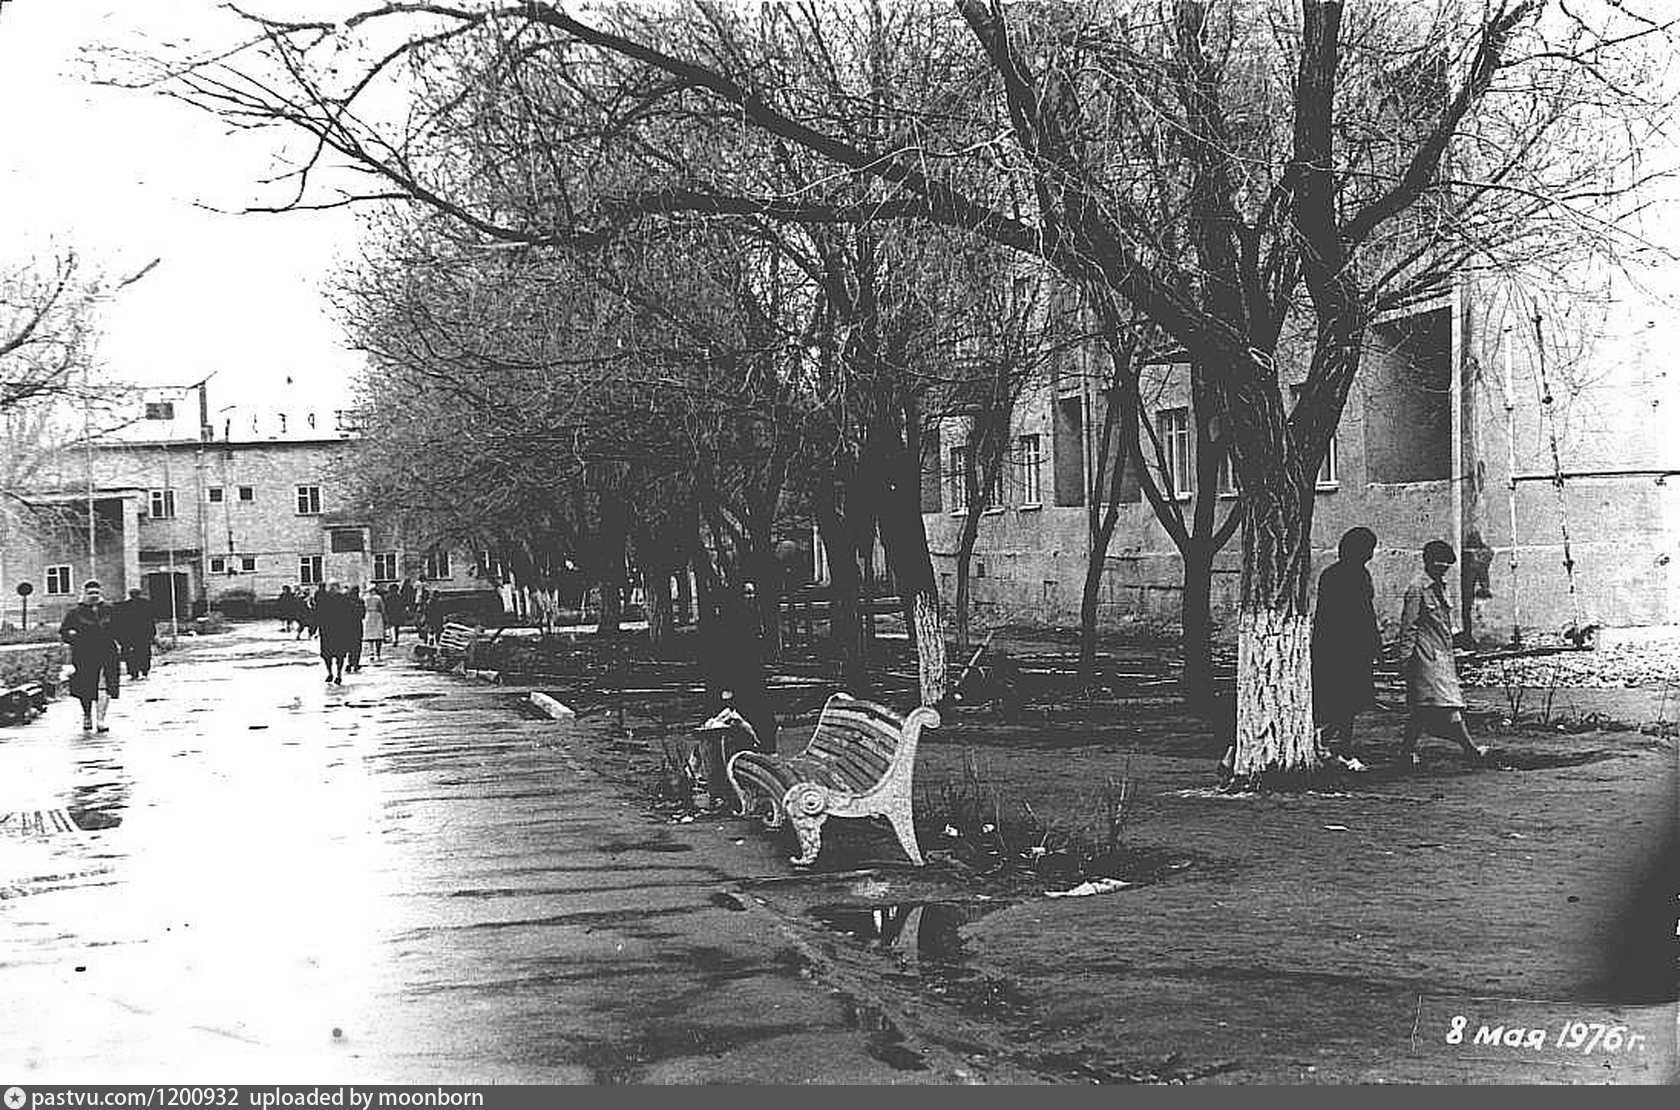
[[1274, 739], [904, 536], [1196, 621], [685, 597], [656, 586], [930, 647], [845, 629], [965, 558], [612, 608]]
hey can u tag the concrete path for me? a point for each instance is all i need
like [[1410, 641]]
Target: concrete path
[[405, 879]]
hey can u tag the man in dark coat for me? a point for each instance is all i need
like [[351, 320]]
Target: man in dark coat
[[1345, 644], [94, 654], [135, 626], [335, 630]]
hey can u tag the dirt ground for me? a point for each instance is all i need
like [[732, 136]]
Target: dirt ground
[[1447, 923]]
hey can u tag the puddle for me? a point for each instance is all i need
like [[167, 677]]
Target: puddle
[[417, 696], [928, 932]]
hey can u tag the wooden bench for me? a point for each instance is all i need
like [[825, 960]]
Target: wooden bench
[[859, 763], [454, 643], [21, 703]]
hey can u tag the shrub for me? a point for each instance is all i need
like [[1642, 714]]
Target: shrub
[[32, 663]]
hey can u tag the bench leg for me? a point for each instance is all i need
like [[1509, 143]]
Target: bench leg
[[903, 823], [809, 831]]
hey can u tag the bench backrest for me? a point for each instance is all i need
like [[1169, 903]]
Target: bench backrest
[[455, 637], [861, 740]]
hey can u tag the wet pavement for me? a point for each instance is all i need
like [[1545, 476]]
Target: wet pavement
[[256, 877]]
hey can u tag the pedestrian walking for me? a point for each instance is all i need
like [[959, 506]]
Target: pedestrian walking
[[1434, 699], [395, 613], [408, 601], [286, 605], [334, 630], [1345, 645], [307, 604], [134, 623], [354, 627], [432, 615], [97, 678]]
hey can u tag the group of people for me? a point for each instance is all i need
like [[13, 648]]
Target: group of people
[[102, 638], [344, 621], [1346, 644]]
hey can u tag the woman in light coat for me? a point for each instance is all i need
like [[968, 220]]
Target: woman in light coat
[[1434, 700], [373, 621]]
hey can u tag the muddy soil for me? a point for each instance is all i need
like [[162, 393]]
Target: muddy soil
[[1448, 923]]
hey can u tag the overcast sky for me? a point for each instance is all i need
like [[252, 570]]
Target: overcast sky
[[121, 175]]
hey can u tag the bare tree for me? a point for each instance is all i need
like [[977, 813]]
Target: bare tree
[[1318, 185]]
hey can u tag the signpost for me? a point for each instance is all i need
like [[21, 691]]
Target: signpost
[[24, 589]]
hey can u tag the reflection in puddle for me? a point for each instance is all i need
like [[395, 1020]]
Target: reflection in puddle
[[929, 932], [99, 805]]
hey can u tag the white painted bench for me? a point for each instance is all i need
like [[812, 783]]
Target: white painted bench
[[454, 641], [21, 702], [859, 763]]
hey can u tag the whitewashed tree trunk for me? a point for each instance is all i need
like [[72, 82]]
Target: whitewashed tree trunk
[[1274, 694], [930, 647]]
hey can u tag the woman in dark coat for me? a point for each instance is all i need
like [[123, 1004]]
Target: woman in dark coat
[[1345, 644]]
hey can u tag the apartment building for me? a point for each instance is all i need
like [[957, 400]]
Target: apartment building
[[193, 509], [1540, 450]]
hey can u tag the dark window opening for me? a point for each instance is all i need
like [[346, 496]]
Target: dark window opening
[[1408, 400]]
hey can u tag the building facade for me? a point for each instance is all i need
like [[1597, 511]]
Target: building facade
[[1538, 449], [200, 521]]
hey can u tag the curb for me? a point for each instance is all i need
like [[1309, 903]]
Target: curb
[[552, 706]]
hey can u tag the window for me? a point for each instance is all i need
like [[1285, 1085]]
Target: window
[[1172, 426], [309, 500], [247, 562], [1329, 474], [58, 580], [309, 570], [1029, 456], [437, 565], [163, 504], [246, 493], [218, 564], [160, 410], [347, 539], [1227, 475], [385, 566], [994, 492], [959, 479], [1067, 441], [216, 497]]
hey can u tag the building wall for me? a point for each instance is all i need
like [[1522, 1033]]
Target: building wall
[[56, 535], [1423, 452], [268, 528]]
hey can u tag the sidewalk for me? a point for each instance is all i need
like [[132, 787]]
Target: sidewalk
[[405, 879]]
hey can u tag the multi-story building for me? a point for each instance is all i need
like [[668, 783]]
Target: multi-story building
[[1541, 453], [201, 512]]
